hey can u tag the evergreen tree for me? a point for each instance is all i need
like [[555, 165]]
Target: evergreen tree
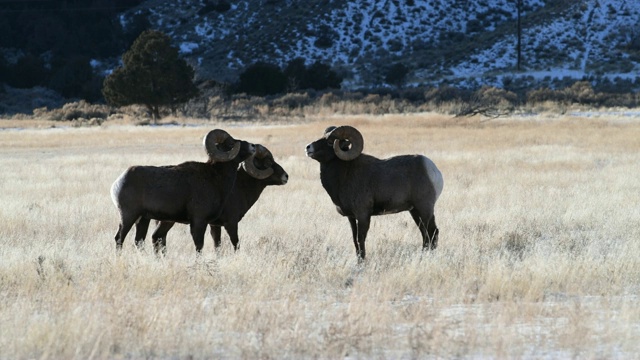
[[152, 74]]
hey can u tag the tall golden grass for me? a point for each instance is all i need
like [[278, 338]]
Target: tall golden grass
[[538, 257]]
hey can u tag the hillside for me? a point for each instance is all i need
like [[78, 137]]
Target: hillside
[[457, 41], [59, 51]]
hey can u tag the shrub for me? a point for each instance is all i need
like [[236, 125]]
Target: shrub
[[580, 92], [318, 76], [396, 74], [262, 79], [544, 95], [489, 101], [413, 95], [444, 94], [296, 73], [474, 26], [323, 42], [74, 111], [325, 36], [497, 97], [293, 101], [210, 6]]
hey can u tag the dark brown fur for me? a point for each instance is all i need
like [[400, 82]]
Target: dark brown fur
[[368, 186], [193, 193], [245, 193]]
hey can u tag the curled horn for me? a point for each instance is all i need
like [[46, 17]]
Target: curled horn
[[215, 137], [355, 138], [248, 165]]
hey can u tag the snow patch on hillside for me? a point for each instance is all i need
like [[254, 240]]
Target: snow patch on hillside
[[365, 36], [188, 47], [580, 41]]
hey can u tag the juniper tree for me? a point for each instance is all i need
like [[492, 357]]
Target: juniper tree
[[152, 74]]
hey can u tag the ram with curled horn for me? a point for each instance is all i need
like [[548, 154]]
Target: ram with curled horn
[[255, 174], [362, 185], [192, 193]]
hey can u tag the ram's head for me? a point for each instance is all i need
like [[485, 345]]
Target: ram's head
[[344, 142]]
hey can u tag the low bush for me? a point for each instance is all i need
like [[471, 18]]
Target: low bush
[[293, 101], [74, 111], [489, 101], [445, 94], [446, 99], [583, 93]]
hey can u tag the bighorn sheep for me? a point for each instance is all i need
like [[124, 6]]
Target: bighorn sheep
[[361, 185], [256, 173], [193, 193]]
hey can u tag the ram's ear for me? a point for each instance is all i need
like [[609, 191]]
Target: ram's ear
[[328, 131]]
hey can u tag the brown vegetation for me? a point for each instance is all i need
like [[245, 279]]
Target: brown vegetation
[[215, 104]]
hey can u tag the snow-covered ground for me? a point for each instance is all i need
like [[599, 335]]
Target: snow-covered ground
[[589, 35]]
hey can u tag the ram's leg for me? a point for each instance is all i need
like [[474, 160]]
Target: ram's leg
[[354, 233], [426, 222], [117, 237], [363, 229], [159, 237], [142, 226], [232, 230], [126, 223], [216, 234], [433, 232], [198, 228]]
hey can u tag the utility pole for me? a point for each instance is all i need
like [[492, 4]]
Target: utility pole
[[519, 45]]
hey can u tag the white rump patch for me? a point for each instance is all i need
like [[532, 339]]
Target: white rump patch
[[434, 175], [116, 187]]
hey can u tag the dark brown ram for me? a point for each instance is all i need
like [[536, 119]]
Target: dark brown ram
[[255, 174], [361, 185], [192, 193]]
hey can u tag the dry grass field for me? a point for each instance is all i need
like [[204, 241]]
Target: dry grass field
[[539, 253]]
